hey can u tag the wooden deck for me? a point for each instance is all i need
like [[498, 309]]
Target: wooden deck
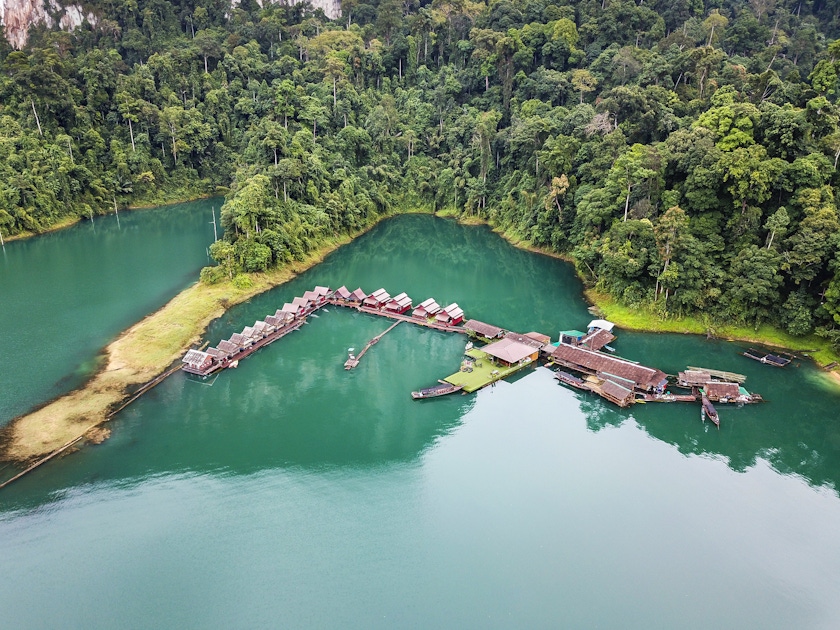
[[482, 373]]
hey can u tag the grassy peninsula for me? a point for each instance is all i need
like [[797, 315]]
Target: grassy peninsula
[[140, 354]]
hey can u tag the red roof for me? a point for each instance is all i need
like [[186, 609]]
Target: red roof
[[428, 306], [358, 294], [343, 293]]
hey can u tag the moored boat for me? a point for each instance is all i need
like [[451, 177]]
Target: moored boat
[[707, 410], [437, 390]]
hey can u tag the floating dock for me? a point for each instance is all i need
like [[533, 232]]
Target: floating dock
[[776, 360], [480, 370]]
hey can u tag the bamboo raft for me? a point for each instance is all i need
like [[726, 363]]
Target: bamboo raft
[[768, 359], [732, 377]]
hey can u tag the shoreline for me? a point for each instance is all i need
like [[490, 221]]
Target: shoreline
[[148, 348], [143, 352], [642, 321], [70, 221]]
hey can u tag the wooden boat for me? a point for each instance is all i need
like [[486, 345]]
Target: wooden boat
[[437, 390], [707, 410], [765, 357], [569, 379]]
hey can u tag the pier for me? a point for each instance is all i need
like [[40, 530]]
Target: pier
[[353, 361]]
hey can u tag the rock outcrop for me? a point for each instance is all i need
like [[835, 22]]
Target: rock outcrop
[[18, 15]]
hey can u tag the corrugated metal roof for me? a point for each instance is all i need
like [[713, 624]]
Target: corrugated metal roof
[[486, 330], [573, 333], [343, 292], [601, 323], [597, 339], [228, 347], [430, 306], [509, 350], [322, 290], [358, 294], [644, 377], [195, 357], [238, 339]]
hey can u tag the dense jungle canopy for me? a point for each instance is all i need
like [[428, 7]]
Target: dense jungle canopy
[[684, 153]]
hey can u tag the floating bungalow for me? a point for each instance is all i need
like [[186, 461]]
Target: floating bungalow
[[377, 299], [451, 315], [341, 294], [197, 362], [357, 297], [510, 352], [314, 299], [693, 378], [580, 359], [480, 329], [324, 292], [399, 304], [295, 310], [426, 308], [241, 341], [306, 305], [619, 393]]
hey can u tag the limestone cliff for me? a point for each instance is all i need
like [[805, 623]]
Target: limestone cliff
[[18, 15]]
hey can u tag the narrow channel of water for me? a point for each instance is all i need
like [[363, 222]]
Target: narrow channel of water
[[65, 295], [292, 493]]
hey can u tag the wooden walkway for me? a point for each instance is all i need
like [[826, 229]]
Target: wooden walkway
[[400, 317], [353, 361]]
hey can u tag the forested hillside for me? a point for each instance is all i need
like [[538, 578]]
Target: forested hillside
[[683, 152]]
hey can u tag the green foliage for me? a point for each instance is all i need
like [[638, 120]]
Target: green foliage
[[684, 154]]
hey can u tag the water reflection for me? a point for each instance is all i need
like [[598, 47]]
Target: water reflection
[[293, 406]]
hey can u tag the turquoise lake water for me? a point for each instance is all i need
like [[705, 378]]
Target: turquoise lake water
[[291, 493]]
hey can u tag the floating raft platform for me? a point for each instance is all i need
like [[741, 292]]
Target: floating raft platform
[[765, 357], [481, 371], [727, 376]]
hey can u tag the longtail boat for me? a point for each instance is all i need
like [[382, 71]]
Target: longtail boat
[[707, 410], [436, 390]]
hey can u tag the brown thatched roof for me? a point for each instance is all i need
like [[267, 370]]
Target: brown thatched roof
[[716, 390], [576, 357], [485, 330]]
